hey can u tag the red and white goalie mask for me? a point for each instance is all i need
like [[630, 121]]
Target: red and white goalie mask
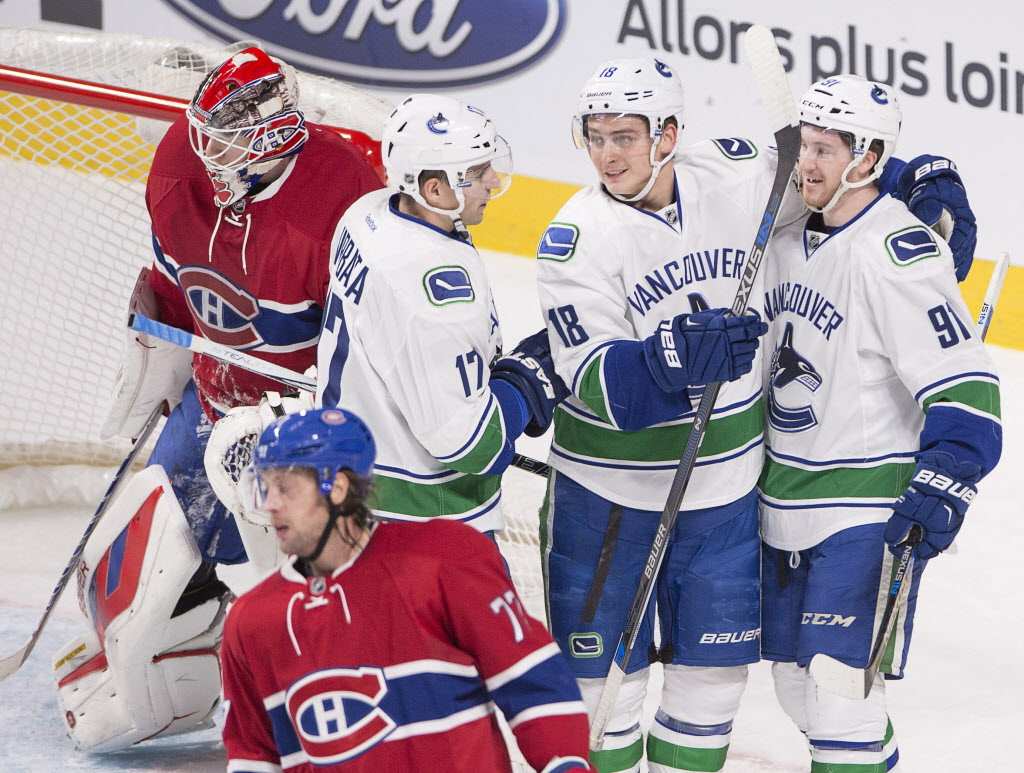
[[243, 120]]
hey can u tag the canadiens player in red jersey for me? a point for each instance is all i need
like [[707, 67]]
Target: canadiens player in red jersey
[[244, 197], [382, 646]]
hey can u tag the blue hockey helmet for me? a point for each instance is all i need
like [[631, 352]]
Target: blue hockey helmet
[[325, 440]]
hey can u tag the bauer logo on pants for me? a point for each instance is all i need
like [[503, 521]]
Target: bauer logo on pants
[[405, 43]]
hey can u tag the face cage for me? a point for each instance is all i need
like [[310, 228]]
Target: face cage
[[236, 149], [654, 124], [501, 165]]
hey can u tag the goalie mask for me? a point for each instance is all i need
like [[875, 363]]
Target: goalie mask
[[430, 133], [325, 441], [243, 120], [644, 87], [861, 110]]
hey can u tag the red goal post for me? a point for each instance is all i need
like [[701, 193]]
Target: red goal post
[[80, 115]]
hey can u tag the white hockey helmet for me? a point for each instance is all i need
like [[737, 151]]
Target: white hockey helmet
[[428, 132], [864, 110], [645, 87]]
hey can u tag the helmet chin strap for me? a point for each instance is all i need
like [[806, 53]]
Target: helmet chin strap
[[656, 167], [845, 185], [454, 214]]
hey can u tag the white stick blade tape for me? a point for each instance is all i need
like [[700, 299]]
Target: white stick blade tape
[[770, 75]]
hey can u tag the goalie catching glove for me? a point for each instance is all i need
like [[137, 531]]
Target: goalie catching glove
[[152, 371], [936, 500]]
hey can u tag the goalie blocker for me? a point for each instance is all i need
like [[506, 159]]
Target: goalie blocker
[[149, 665]]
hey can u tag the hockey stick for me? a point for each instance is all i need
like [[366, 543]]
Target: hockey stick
[[773, 86], [856, 683], [14, 661], [143, 324]]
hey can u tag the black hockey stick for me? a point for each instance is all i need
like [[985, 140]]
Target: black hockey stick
[[11, 663], [143, 324], [773, 85], [856, 683]]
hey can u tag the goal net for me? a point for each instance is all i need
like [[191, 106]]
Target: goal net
[[76, 233]]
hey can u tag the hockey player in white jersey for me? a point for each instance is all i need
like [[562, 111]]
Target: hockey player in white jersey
[[633, 275], [411, 339], [883, 415]]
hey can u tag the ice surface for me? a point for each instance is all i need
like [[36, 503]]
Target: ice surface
[[959, 709]]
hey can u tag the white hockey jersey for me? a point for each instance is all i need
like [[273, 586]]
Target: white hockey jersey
[[868, 334], [409, 334], [608, 271]]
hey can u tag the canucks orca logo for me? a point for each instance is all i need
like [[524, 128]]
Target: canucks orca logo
[[336, 713], [878, 94], [224, 313], [789, 367], [663, 69], [438, 124]]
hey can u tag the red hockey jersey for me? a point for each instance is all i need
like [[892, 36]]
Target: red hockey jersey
[[395, 663], [252, 276]]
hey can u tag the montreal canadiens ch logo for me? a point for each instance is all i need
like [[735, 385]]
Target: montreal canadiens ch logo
[[223, 312], [337, 713], [789, 367], [409, 43]]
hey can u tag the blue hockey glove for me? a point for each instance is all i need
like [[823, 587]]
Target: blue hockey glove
[[934, 193], [530, 369], [695, 349], [937, 500]]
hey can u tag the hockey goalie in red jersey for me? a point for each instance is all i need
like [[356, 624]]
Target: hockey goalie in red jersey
[[244, 198], [382, 646]]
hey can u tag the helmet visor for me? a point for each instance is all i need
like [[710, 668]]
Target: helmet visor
[[495, 174]]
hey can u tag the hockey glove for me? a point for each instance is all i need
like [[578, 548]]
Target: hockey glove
[[700, 348], [530, 369], [936, 500], [934, 193]]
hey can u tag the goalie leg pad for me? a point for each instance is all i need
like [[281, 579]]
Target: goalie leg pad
[[693, 725], [149, 666], [180, 451]]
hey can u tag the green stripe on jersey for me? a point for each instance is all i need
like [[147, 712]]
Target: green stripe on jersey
[[848, 767], [480, 456], [458, 496], [657, 444], [884, 481], [980, 395], [614, 760]]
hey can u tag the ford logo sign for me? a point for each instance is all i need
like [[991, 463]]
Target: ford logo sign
[[406, 43]]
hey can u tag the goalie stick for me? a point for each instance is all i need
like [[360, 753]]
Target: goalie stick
[[773, 86], [143, 324], [856, 683], [14, 661]]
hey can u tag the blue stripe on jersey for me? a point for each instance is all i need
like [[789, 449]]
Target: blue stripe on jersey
[[776, 504], [278, 328], [421, 697], [547, 682], [475, 434], [419, 476], [907, 455], [168, 265], [957, 377]]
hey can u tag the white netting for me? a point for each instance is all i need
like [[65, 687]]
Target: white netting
[[76, 234], [76, 230]]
